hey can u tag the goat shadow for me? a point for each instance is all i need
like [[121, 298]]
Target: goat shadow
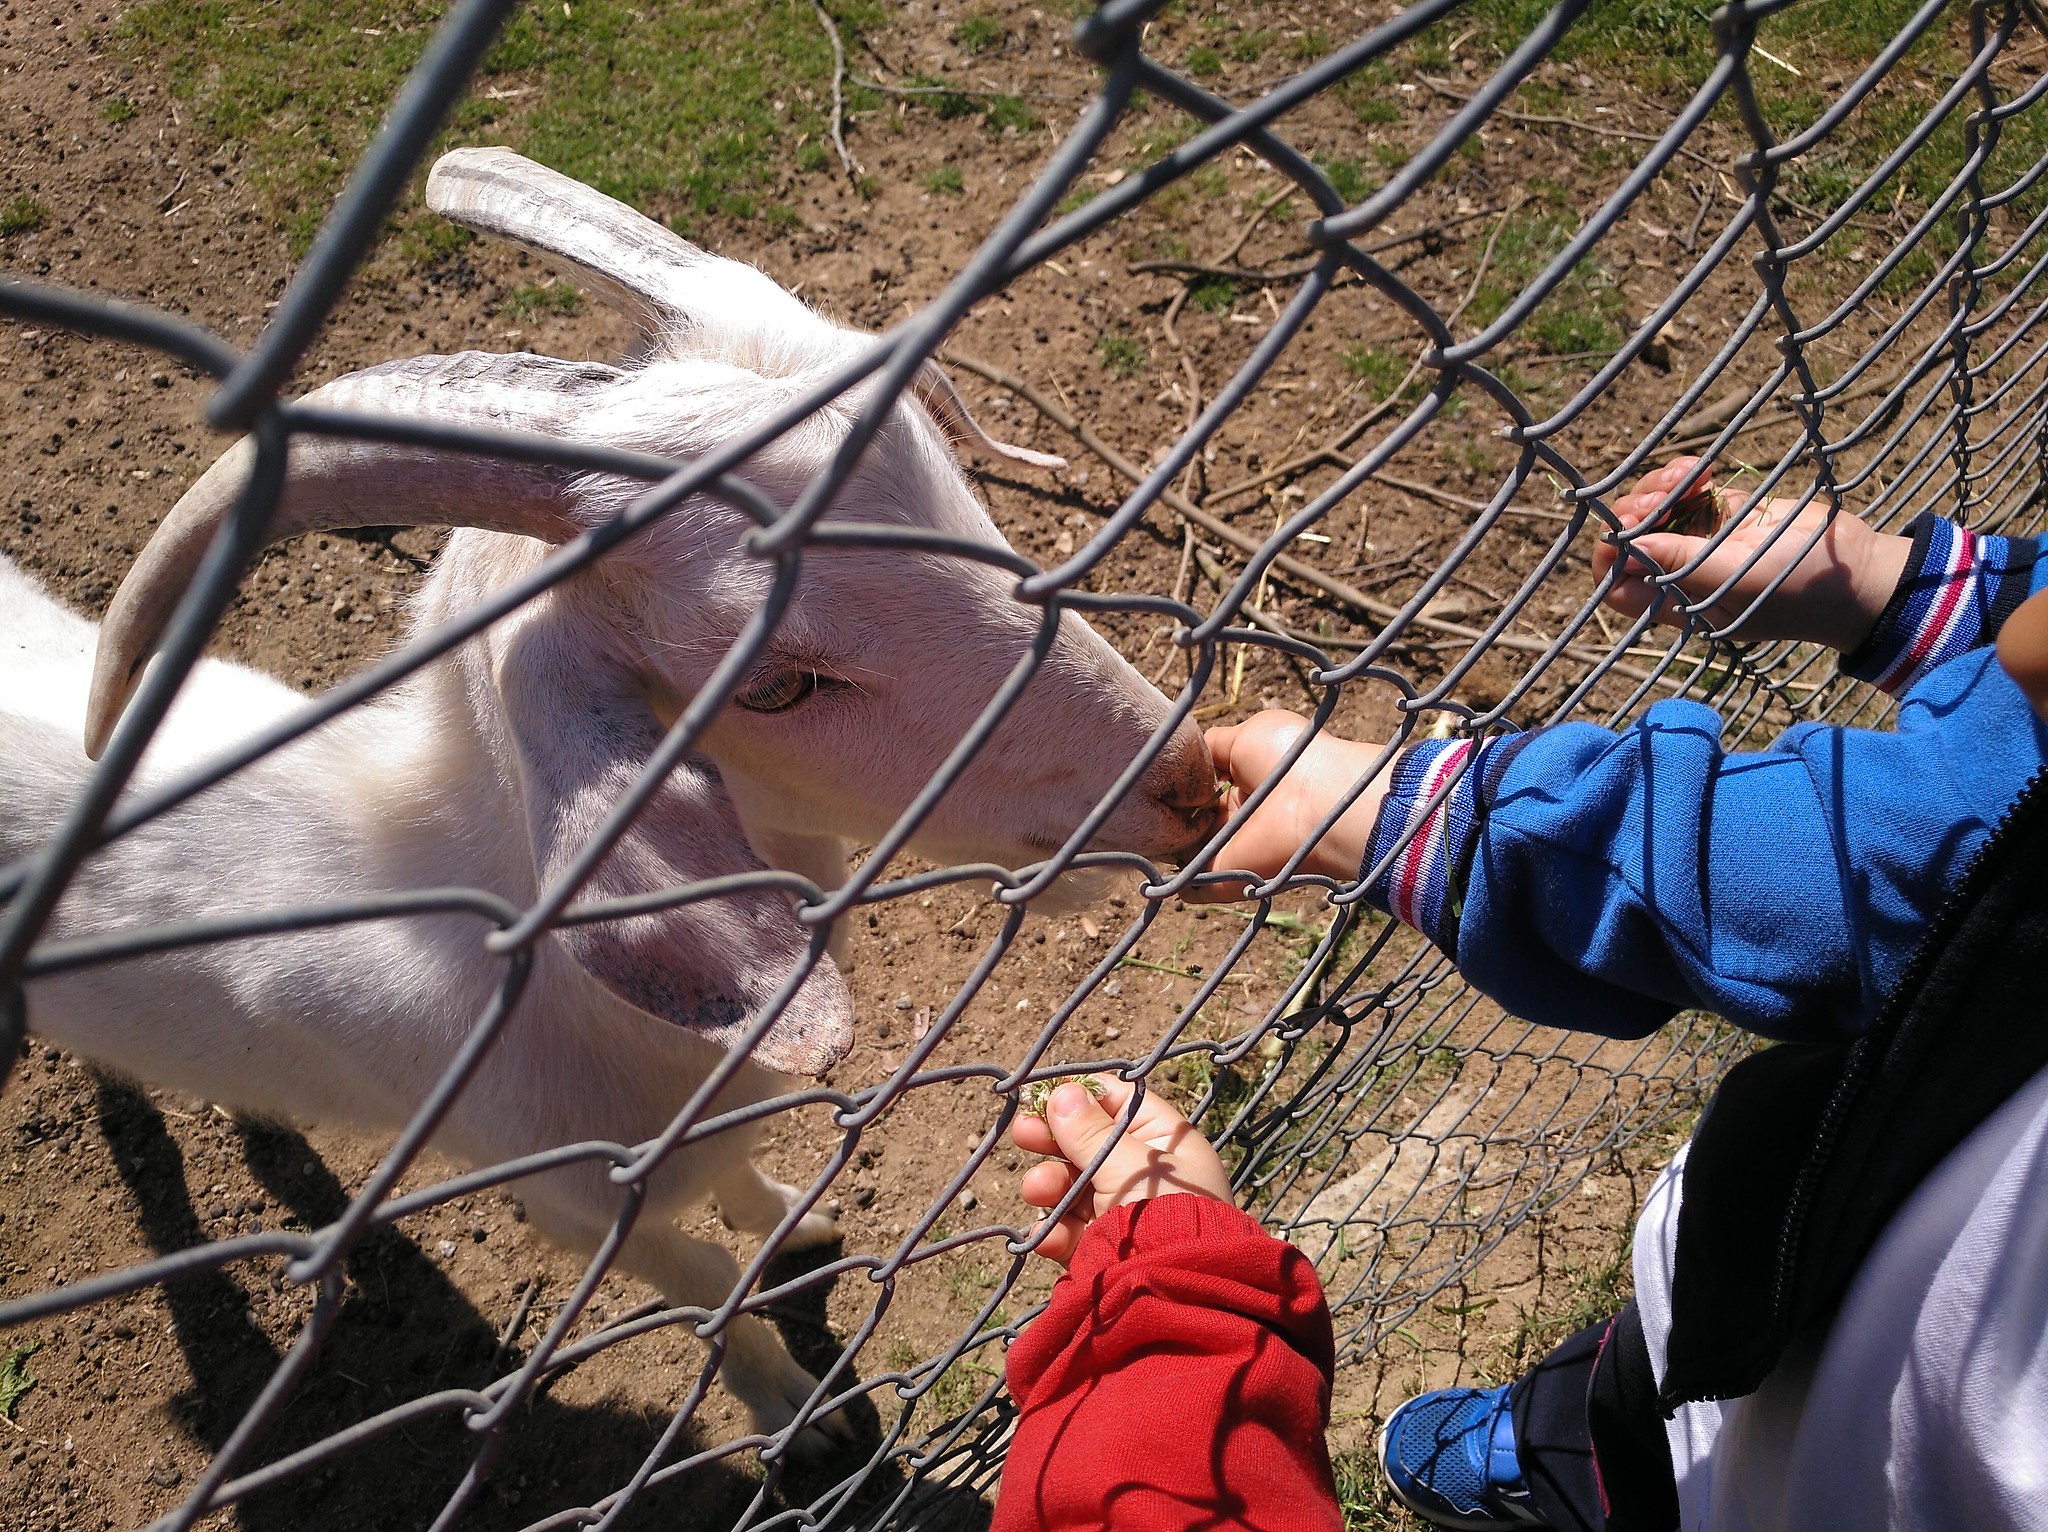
[[405, 1330]]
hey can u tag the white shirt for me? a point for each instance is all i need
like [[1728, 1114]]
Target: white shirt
[[1925, 1407]]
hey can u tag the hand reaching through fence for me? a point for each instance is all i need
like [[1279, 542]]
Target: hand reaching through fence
[[1156, 1155], [1180, 1376], [1842, 571], [1246, 754]]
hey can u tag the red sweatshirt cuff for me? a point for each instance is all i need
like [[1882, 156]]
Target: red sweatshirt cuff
[[1179, 1378]]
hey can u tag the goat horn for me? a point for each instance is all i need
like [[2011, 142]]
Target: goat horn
[[654, 276], [337, 482]]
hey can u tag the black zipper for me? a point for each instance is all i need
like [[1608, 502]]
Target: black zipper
[[1873, 1045]]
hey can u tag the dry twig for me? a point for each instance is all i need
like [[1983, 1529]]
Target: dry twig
[[847, 162]]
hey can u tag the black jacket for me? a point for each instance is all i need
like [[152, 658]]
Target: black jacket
[[1807, 1150]]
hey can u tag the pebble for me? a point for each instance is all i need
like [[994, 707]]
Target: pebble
[[446, 1248], [968, 1200]]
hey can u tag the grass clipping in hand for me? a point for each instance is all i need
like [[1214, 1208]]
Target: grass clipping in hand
[[1032, 1099]]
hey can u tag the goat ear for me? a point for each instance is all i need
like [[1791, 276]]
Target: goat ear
[[583, 729], [658, 279], [937, 393]]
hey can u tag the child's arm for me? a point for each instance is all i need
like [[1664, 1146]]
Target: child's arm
[[1894, 605], [1603, 881], [1180, 1376]]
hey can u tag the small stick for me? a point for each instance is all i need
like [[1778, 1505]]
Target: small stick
[[515, 1324], [1566, 122], [1296, 273], [1257, 218], [847, 162], [1306, 573]]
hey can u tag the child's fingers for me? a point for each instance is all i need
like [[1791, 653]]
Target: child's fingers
[[1031, 1134], [1046, 1182], [1246, 753], [1059, 1242], [1078, 1125], [1662, 480]]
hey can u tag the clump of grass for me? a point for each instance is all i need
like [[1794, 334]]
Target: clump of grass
[[22, 215], [1582, 313], [946, 180], [1003, 113], [1076, 199], [996, 112], [1121, 354], [1375, 110], [1381, 369], [1349, 178], [1213, 294], [538, 298], [15, 1379], [979, 34], [1362, 1495], [430, 241], [117, 110], [671, 109], [1312, 44], [1204, 62]]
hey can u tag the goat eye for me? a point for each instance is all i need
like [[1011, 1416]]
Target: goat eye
[[779, 691]]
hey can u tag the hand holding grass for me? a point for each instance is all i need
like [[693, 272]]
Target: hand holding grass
[[1158, 1154], [1246, 754], [1833, 595]]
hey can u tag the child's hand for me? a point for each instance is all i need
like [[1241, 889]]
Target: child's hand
[[1246, 754], [1833, 596], [1159, 1153]]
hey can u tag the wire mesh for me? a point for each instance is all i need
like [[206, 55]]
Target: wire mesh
[[1374, 1109]]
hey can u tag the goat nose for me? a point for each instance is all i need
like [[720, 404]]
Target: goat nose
[[1184, 777]]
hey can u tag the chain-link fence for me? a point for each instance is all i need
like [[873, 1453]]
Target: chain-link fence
[[1855, 291]]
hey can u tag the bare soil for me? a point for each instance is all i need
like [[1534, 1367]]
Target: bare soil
[[131, 1396]]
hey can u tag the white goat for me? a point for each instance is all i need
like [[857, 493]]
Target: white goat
[[492, 767]]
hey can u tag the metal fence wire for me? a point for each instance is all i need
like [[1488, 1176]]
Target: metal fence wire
[[1375, 1111]]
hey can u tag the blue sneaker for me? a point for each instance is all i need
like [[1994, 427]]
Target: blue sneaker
[[1449, 1456]]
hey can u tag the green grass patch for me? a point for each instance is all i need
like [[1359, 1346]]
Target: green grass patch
[[539, 298], [1121, 354], [1381, 369], [1349, 178], [673, 109], [979, 34], [1006, 112], [1204, 62], [1584, 312], [946, 180], [15, 1379], [1213, 294], [117, 110], [22, 215]]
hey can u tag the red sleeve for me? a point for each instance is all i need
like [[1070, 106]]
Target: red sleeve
[[1179, 1379]]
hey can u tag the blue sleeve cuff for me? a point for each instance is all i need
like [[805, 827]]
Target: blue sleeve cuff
[[1957, 590], [1421, 845]]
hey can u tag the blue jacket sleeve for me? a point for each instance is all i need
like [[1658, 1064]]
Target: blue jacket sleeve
[[1954, 595], [1603, 881]]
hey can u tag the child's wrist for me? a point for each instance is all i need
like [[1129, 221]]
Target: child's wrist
[[1876, 578]]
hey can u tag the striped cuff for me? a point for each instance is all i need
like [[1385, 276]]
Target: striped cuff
[[1958, 588], [1431, 812]]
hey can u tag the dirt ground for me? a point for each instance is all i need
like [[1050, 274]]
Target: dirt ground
[[131, 1396]]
